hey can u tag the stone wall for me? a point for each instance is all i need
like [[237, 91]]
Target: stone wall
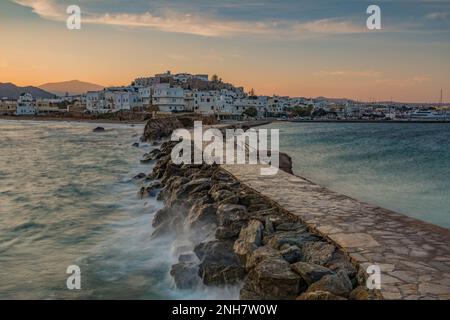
[[228, 234]]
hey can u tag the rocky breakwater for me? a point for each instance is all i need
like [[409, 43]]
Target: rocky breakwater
[[226, 234]]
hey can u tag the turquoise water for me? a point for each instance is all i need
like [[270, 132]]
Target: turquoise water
[[66, 198], [403, 167]]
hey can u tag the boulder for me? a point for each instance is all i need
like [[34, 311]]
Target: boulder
[[231, 218], [153, 187], [291, 254], [201, 214], [140, 176], [310, 272], [261, 254], [362, 293], [250, 238], [99, 129], [340, 261], [319, 295], [185, 275], [136, 145], [153, 155], [218, 263], [338, 284], [297, 238], [272, 279], [318, 252]]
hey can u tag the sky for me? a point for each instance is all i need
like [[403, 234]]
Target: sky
[[286, 47]]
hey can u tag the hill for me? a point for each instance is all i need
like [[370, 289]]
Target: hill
[[10, 90], [72, 87]]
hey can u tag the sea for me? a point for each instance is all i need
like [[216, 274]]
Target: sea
[[68, 198], [404, 167]]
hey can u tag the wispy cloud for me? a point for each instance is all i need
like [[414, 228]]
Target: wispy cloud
[[202, 25], [349, 73], [438, 16], [405, 82]]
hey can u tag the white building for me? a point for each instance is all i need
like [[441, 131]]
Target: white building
[[25, 105], [168, 98], [95, 101]]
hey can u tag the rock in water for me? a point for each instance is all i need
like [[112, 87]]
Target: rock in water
[[153, 155], [136, 145], [99, 129], [185, 275], [219, 265]]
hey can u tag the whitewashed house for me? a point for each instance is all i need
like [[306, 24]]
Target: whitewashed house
[[145, 94], [168, 98], [95, 101], [205, 102], [25, 105]]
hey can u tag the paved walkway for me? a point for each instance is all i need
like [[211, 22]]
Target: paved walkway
[[414, 256]]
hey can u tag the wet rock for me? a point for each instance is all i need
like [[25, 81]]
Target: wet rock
[[291, 254], [219, 264], [285, 163], [231, 218], [160, 216], [136, 145], [319, 295], [99, 129], [310, 272], [152, 188], [272, 279], [187, 257], [153, 155], [338, 284], [140, 176], [185, 275], [201, 214], [250, 238], [318, 252]]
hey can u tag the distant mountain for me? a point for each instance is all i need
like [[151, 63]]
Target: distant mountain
[[72, 87], [10, 90]]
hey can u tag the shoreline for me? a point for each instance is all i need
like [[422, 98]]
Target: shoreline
[[78, 120]]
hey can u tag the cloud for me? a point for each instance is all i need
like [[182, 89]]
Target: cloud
[[201, 25], [437, 16], [349, 73], [407, 82]]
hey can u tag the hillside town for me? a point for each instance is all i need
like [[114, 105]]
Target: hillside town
[[169, 93]]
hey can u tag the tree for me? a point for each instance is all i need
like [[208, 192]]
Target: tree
[[252, 93], [215, 78]]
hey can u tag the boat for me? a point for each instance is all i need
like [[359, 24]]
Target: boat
[[427, 115]]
